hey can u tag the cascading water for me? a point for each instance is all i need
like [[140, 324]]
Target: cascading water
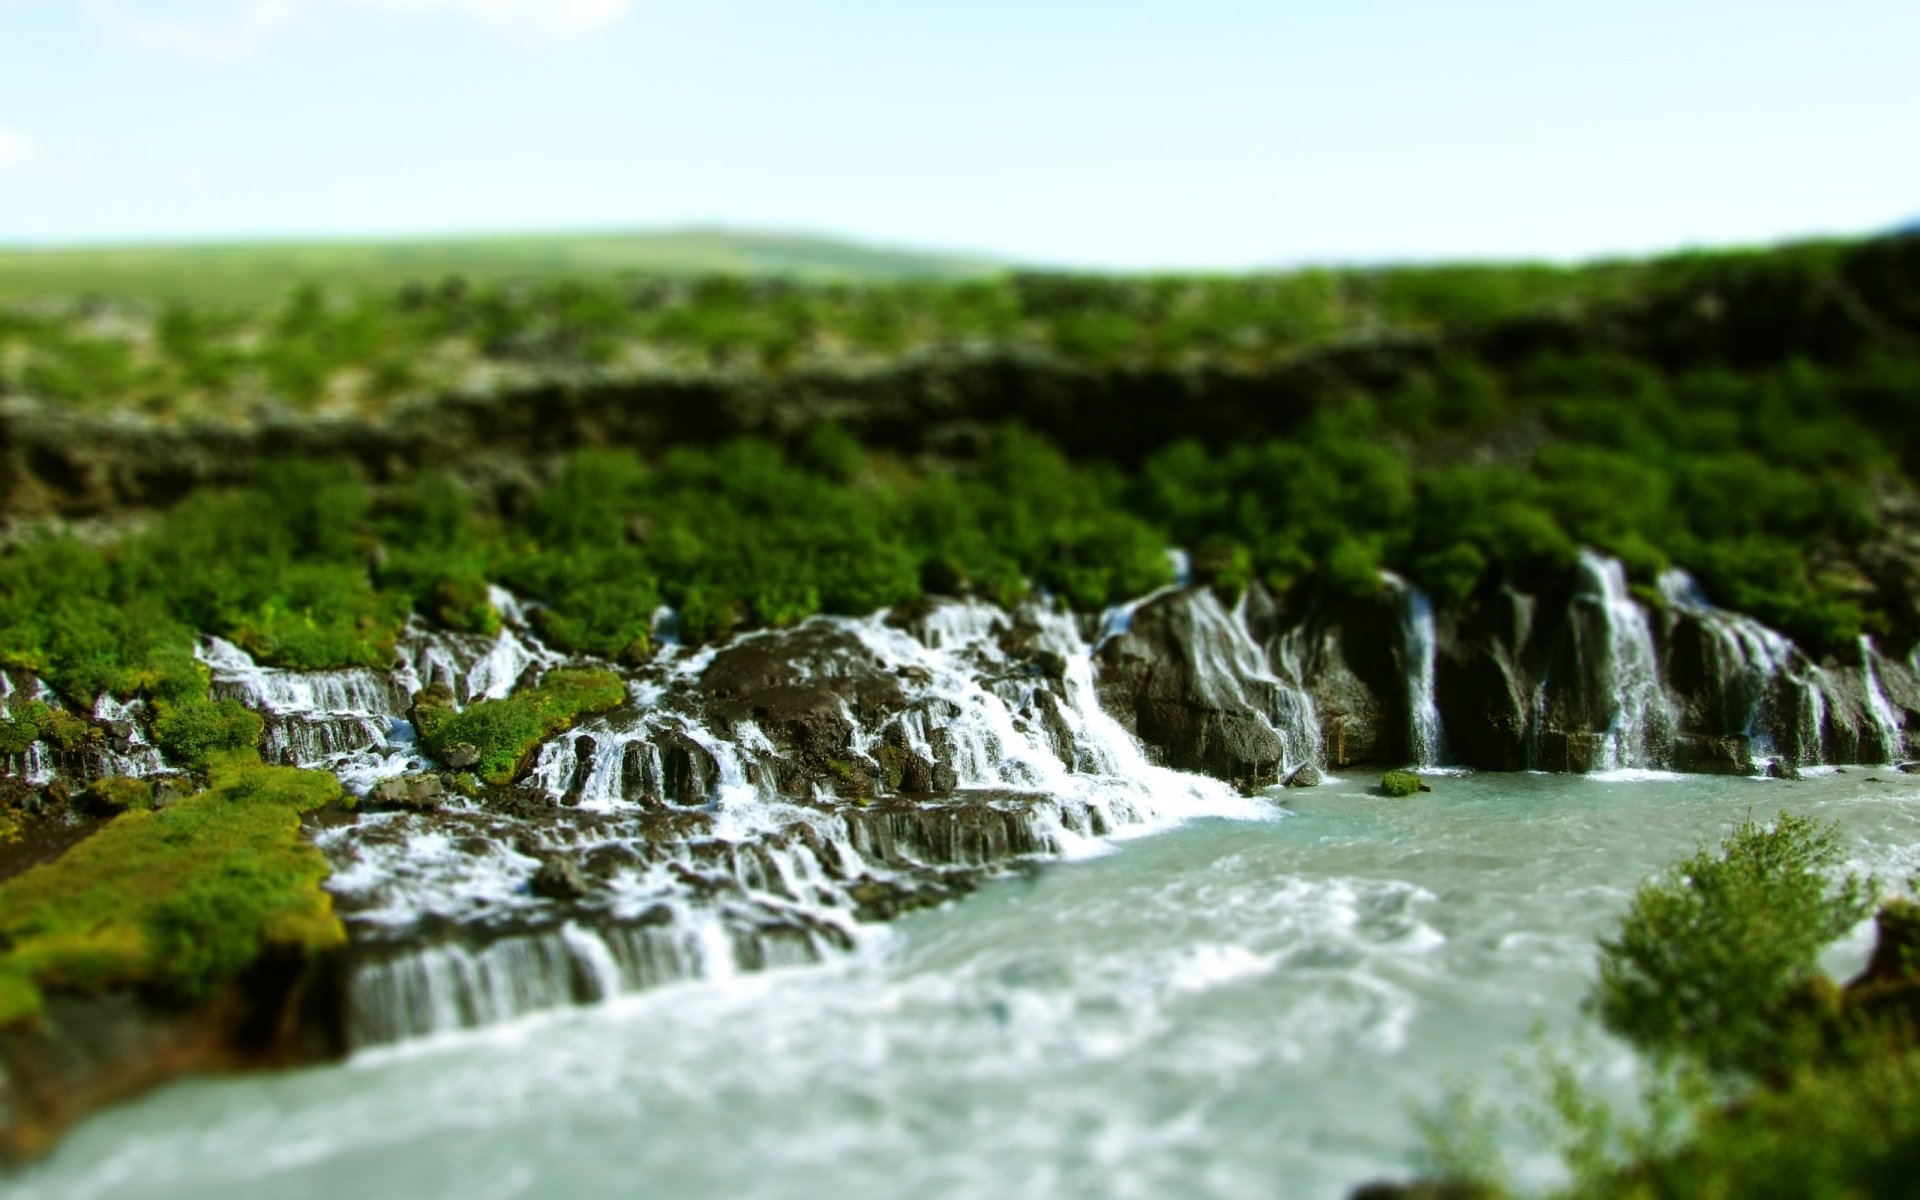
[[701, 861], [1642, 720], [1419, 646], [1891, 737], [1764, 677]]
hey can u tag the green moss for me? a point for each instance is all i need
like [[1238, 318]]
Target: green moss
[[17, 734], [180, 899], [192, 731], [506, 731], [1401, 783]]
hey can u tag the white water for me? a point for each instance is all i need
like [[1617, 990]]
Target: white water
[[1763, 665], [1231, 1009], [746, 877], [1642, 719], [1419, 646], [1892, 740]]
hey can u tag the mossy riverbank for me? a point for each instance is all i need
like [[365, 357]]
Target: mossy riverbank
[[175, 901]]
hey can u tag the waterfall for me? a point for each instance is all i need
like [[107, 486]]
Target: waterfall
[[1419, 645], [701, 863], [1892, 738], [1642, 721], [1760, 667]]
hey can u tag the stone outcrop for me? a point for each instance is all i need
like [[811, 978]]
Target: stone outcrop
[[1188, 682]]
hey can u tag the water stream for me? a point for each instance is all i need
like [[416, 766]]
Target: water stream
[[1231, 1008]]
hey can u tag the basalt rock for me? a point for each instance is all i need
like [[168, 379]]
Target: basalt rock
[[1171, 681], [1699, 754]]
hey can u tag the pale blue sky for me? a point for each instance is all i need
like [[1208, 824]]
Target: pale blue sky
[[1104, 132]]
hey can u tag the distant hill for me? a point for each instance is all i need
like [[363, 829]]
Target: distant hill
[[242, 272]]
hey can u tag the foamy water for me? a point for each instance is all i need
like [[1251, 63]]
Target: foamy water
[[1228, 1008]]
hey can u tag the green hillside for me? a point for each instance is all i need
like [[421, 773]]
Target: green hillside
[[251, 272]]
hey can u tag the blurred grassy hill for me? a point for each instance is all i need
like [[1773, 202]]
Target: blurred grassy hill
[[245, 273]]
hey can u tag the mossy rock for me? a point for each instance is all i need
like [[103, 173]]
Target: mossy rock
[[120, 793], [503, 733], [1402, 783]]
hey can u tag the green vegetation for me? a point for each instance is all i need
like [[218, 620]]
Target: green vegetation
[[505, 732], [1540, 410], [1719, 954], [179, 900], [1766, 1078], [257, 272]]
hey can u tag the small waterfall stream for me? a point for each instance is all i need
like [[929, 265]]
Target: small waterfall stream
[[1779, 693], [1641, 726], [1419, 647], [1892, 740]]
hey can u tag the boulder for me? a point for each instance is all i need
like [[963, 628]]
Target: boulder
[[559, 878], [421, 792], [1190, 685], [461, 755], [1305, 776]]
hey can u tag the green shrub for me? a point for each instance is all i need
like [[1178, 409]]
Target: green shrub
[[1714, 957], [191, 732]]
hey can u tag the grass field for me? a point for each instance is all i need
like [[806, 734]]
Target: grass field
[[246, 273]]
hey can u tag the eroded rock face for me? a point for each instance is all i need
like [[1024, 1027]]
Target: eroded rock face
[[1189, 683]]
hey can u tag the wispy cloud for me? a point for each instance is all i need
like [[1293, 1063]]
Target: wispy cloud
[[17, 150], [231, 34], [238, 30], [555, 20]]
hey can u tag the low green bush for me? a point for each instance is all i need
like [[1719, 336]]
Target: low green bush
[[190, 732]]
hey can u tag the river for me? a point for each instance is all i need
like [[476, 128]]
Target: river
[[1230, 1008]]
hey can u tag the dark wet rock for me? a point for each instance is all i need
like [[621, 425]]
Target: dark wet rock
[[1570, 753], [1484, 680], [679, 771], [559, 878], [976, 831], [1778, 769], [461, 755], [1157, 681], [1701, 755], [584, 747], [813, 656], [1347, 656], [1305, 776]]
